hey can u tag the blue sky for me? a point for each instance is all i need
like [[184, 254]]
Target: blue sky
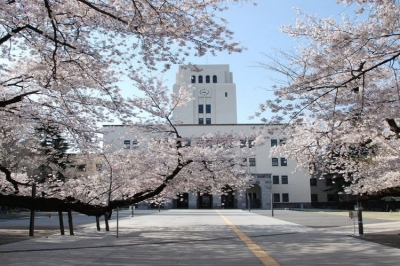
[[257, 28]]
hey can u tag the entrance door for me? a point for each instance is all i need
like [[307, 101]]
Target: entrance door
[[205, 201], [182, 202], [227, 201]]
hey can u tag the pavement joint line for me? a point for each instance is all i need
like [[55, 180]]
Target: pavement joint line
[[263, 256]]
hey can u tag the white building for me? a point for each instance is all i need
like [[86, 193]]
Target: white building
[[214, 111]]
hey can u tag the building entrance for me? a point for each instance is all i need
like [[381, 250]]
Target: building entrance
[[182, 202], [204, 201]]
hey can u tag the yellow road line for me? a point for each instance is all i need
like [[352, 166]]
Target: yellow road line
[[256, 249]]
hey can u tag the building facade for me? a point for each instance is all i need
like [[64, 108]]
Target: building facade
[[214, 110]]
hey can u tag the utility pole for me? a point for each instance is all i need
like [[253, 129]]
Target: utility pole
[[32, 220]]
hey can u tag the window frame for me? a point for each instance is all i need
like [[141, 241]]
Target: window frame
[[208, 121], [275, 179], [274, 142], [208, 79], [284, 161], [277, 197], [215, 79], [193, 79], [200, 79], [252, 161], [275, 161], [201, 109], [285, 197], [127, 144], [201, 121], [208, 108]]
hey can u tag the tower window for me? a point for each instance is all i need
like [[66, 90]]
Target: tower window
[[285, 197], [207, 79], [208, 121], [208, 108], [201, 108], [226, 94], [193, 79], [201, 121], [214, 79], [277, 197], [200, 79]]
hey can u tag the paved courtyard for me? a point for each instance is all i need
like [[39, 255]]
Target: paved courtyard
[[212, 237]]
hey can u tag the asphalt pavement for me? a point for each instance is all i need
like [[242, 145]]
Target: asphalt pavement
[[211, 237]]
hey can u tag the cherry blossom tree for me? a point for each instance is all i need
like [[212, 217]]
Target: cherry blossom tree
[[62, 63], [341, 95]]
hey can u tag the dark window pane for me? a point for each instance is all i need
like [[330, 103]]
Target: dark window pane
[[277, 197], [252, 161], [313, 182], [201, 108], [283, 162], [207, 79], [201, 121], [275, 179], [274, 142], [208, 108], [314, 197], [285, 179], [200, 79], [208, 121], [251, 143], [285, 197], [193, 79], [275, 162], [127, 144], [214, 79]]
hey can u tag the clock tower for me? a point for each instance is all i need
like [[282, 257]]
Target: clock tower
[[214, 98]]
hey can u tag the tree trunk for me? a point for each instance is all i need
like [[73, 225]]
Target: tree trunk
[[60, 218], [70, 224], [106, 221], [98, 222]]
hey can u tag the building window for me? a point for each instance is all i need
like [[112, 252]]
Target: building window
[[127, 144], [201, 121], [81, 168], [187, 142], [282, 141], [201, 108], [193, 79], [242, 143], [251, 143], [313, 182], [207, 79], [214, 79], [99, 167], [208, 121], [252, 161], [285, 197], [277, 197], [274, 142], [226, 94], [275, 162], [314, 197], [200, 79], [285, 179], [134, 144], [283, 162], [275, 179], [208, 108]]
